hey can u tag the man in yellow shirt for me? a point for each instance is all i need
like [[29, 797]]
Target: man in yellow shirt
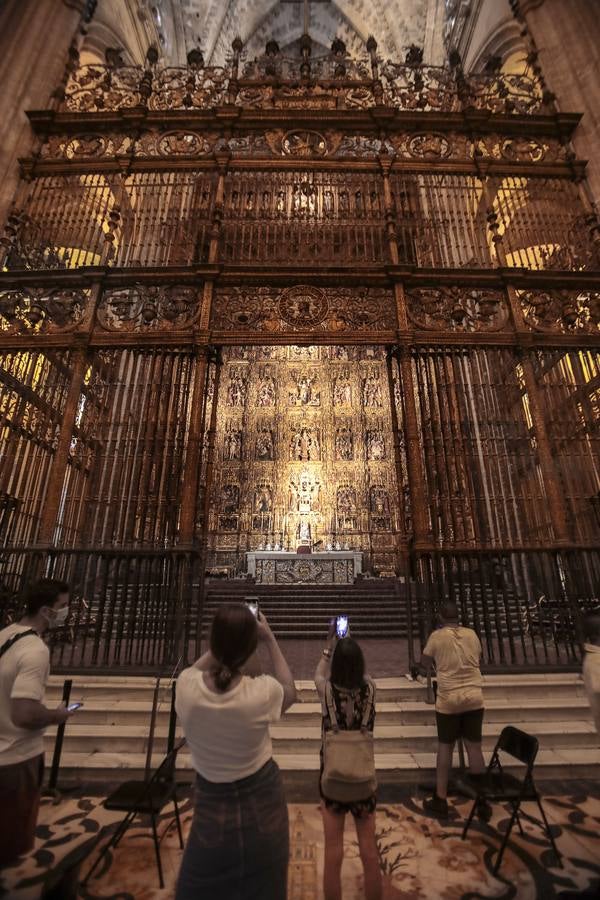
[[456, 653]]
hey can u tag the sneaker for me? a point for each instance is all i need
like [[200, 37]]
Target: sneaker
[[436, 806]]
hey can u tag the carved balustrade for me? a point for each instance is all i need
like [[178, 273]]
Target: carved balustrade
[[333, 81]]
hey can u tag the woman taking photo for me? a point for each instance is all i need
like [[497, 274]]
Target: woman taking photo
[[348, 698], [238, 845]]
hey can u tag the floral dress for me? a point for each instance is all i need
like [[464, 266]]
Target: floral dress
[[349, 709]]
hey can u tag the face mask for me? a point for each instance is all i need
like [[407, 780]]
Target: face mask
[[59, 617]]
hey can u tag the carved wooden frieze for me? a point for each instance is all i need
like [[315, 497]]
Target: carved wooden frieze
[[561, 311], [425, 146], [149, 308], [520, 148], [457, 309], [42, 311], [303, 308]]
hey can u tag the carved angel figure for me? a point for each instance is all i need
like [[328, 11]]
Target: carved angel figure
[[266, 391], [372, 391], [264, 444], [344, 449], [375, 445], [238, 387], [342, 391], [233, 445]]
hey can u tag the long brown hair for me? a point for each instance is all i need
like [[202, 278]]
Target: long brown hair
[[233, 640]]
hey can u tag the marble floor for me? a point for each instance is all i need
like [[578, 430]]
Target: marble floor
[[421, 858]]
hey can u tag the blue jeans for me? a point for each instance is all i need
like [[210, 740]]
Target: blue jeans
[[238, 847]]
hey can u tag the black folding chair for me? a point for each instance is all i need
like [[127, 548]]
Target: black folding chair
[[138, 798], [502, 787]]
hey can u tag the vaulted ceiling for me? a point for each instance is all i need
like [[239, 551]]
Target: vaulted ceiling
[[179, 25]]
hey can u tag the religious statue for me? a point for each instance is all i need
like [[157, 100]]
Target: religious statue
[[266, 391], [371, 391], [305, 445], [233, 445], [304, 532], [344, 448], [238, 388], [304, 395], [304, 491], [230, 498], [346, 499], [375, 445], [264, 444], [263, 499], [342, 391]]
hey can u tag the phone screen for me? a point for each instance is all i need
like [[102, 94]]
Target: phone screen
[[73, 706], [253, 607], [341, 626]]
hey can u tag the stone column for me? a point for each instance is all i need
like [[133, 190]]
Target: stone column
[[35, 36], [567, 37]]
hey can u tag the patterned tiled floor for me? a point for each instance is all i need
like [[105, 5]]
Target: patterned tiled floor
[[421, 858]]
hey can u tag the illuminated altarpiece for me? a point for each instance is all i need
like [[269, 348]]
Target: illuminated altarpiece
[[315, 299]]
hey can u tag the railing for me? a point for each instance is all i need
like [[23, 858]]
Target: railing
[[331, 80], [129, 609], [167, 219], [526, 606]]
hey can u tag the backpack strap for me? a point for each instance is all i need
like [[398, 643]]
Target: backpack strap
[[16, 637], [331, 706], [368, 707]]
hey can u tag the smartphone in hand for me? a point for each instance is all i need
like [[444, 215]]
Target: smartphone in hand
[[253, 607], [341, 626]]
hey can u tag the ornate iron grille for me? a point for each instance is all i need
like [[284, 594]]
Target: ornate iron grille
[[305, 216]]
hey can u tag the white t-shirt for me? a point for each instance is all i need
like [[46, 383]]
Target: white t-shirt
[[228, 734], [24, 670], [457, 653]]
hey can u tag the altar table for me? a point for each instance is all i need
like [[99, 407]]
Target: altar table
[[282, 567]]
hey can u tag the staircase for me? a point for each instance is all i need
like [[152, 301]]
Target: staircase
[[376, 607], [107, 739]]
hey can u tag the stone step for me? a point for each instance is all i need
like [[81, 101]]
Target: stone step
[[551, 686], [392, 768], [290, 738], [308, 713]]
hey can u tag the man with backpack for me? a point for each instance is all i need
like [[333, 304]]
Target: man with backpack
[[24, 670], [456, 652]]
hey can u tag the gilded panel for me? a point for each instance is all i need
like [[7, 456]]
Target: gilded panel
[[42, 310], [457, 309], [561, 311], [303, 308], [149, 308]]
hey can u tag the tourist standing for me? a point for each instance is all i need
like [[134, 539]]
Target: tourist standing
[[456, 653], [24, 669], [347, 697], [591, 665], [238, 847]]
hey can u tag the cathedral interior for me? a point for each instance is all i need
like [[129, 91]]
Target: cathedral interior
[[300, 293], [300, 304]]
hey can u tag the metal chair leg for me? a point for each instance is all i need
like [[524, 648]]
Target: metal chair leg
[[549, 832], [157, 851], [178, 818], [470, 819], [112, 842], [506, 837]]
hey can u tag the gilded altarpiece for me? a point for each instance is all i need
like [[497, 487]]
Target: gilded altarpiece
[[305, 454]]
